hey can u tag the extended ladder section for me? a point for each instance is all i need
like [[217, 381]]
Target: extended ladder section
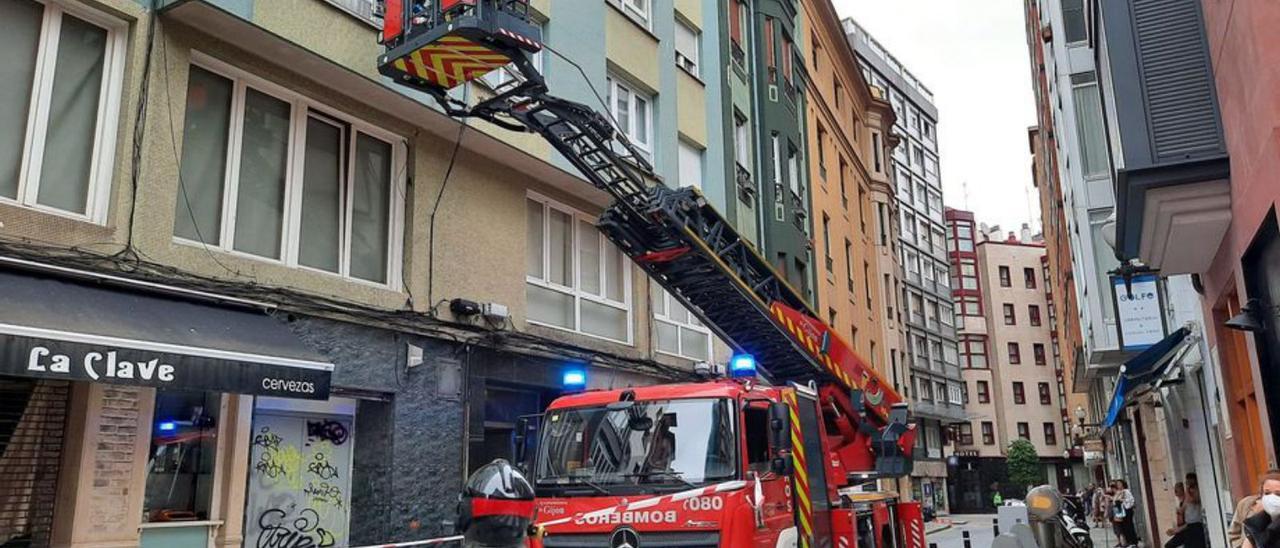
[[673, 234]]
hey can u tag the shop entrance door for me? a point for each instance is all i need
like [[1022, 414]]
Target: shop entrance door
[[299, 480], [33, 415]]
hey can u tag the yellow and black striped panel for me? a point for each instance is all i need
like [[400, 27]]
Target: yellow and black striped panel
[[451, 61], [804, 505]]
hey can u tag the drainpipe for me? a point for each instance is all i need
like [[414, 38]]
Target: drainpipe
[[753, 87]]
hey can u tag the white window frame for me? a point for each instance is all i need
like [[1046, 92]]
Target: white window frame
[[689, 62], [638, 10], [576, 291], [663, 315], [301, 108], [102, 158], [617, 84]]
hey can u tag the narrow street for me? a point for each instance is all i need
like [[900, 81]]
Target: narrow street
[[981, 535]]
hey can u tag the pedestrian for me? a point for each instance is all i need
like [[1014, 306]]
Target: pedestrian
[[1101, 505], [1122, 508], [1086, 499], [1250, 506], [997, 499], [1189, 529]]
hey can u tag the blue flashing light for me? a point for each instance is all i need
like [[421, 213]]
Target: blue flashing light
[[742, 365], [167, 426], [574, 379]]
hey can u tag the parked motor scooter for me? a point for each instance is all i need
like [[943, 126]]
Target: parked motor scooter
[[1074, 524]]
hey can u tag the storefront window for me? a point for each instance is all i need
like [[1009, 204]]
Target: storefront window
[[180, 468]]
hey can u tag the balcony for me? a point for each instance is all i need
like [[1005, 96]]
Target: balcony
[[1172, 173]]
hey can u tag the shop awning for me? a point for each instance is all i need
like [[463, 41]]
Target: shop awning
[[1141, 370], [85, 331]]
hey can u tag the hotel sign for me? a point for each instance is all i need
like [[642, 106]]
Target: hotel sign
[[1139, 311]]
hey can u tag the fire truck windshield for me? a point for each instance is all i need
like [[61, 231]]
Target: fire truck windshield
[[664, 442]]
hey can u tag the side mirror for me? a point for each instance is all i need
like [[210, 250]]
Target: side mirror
[[521, 441], [779, 427]]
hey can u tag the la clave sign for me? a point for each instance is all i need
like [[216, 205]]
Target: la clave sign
[[159, 367], [96, 365]]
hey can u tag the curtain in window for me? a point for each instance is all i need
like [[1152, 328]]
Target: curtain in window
[[614, 269], [322, 174], [690, 163], [560, 225], [604, 320], [588, 258], [198, 208], [533, 239], [371, 209], [263, 158], [1093, 146], [73, 116], [19, 41], [550, 307]]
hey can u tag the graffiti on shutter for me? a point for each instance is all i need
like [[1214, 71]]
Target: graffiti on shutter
[[299, 481]]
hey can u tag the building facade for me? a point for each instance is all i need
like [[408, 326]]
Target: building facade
[[1134, 150], [226, 189], [842, 113], [928, 353], [1006, 349], [1064, 318], [1241, 268], [1189, 208], [762, 85], [1063, 72]]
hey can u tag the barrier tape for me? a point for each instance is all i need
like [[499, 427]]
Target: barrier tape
[[428, 542]]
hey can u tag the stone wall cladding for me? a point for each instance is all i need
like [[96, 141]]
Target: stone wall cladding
[[408, 450]]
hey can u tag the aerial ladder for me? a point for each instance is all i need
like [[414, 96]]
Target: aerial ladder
[[674, 235]]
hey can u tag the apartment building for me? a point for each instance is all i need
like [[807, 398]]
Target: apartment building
[[762, 87], [250, 252], [1011, 380], [841, 116], [1069, 106], [1085, 454], [929, 354], [1129, 169]]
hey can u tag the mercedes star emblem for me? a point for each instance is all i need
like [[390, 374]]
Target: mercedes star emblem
[[625, 537]]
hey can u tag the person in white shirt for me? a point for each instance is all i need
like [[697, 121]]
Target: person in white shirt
[[1189, 532], [1122, 509]]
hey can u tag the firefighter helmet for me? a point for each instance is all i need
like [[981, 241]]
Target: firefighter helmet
[[496, 507]]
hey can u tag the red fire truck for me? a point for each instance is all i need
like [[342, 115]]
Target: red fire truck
[[786, 452]]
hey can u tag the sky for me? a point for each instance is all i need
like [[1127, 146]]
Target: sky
[[973, 55]]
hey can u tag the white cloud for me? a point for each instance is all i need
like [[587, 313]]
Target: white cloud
[[973, 55]]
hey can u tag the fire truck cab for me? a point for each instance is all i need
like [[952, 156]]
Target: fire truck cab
[[762, 451]]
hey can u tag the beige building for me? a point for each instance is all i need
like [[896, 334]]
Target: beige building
[[1012, 382], [843, 113], [249, 251]]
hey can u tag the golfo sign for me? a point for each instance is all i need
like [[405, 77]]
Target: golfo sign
[[1138, 306]]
